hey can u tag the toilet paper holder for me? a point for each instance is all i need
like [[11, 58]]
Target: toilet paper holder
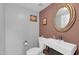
[[25, 43]]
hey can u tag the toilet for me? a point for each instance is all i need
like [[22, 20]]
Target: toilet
[[37, 50]]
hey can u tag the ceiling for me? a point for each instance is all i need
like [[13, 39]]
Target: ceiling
[[37, 7]]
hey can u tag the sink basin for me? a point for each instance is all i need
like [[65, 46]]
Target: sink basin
[[60, 46], [67, 48]]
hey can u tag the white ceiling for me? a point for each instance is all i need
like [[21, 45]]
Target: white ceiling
[[37, 7]]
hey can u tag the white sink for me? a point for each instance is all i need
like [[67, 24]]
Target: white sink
[[67, 48], [60, 45]]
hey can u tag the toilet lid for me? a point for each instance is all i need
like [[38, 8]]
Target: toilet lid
[[34, 51]]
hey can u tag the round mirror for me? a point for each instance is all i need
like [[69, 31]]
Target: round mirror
[[64, 18]]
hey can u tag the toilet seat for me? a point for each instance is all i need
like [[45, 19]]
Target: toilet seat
[[37, 50], [34, 51]]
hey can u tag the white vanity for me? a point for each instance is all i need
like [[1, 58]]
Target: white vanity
[[59, 45]]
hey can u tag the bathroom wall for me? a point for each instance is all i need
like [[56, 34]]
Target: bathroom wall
[[2, 31], [19, 28], [48, 30]]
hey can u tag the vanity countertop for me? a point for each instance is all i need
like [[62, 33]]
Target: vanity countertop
[[60, 45]]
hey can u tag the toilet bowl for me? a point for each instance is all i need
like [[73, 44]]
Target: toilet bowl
[[36, 50]]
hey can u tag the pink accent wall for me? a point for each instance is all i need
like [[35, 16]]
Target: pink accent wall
[[48, 30]]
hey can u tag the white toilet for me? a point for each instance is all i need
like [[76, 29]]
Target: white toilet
[[36, 50]]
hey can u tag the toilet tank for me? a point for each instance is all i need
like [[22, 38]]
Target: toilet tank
[[41, 43]]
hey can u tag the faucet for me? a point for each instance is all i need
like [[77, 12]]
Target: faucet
[[61, 38]]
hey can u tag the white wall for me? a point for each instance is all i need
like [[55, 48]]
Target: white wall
[[19, 28], [2, 29]]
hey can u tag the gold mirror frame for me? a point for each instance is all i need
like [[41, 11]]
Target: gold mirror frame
[[71, 20]]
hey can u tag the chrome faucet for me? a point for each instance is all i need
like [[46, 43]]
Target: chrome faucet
[[61, 38]]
